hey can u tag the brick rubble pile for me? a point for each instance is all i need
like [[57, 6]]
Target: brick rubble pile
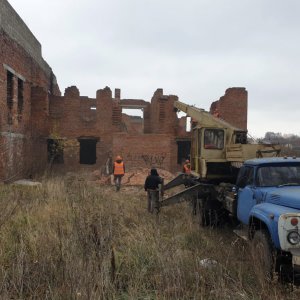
[[134, 176]]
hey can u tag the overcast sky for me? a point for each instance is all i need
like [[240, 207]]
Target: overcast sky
[[195, 49]]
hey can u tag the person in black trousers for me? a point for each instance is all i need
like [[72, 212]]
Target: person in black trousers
[[152, 188]]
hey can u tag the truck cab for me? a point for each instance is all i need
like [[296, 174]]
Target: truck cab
[[268, 201]]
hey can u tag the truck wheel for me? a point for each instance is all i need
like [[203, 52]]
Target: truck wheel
[[193, 206], [199, 212], [202, 213], [209, 212], [263, 254]]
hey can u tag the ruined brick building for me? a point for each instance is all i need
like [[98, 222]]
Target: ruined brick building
[[39, 126]]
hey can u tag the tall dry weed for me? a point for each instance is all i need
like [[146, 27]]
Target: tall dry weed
[[71, 240]]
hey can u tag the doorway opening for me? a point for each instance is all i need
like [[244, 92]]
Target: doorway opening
[[184, 151], [55, 151], [87, 151]]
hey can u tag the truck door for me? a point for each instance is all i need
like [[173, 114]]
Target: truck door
[[246, 199]]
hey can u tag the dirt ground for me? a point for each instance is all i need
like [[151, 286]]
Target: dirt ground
[[133, 177]]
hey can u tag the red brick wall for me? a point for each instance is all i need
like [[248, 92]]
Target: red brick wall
[[133, 125], [147, 119], [47, 114], [20, 129], [232, 107], [13, 148], [71, 115], [148, 150], [72, 118], [67, 123], [16, 58], [163, 115], [181, 128]]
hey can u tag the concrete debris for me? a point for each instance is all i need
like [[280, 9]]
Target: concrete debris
[[27, 182], [208, 263], [134, 176]]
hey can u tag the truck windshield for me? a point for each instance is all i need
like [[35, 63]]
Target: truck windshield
[[279, 175]]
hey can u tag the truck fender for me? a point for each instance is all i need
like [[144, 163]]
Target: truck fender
[[269, 214], [259, 220]]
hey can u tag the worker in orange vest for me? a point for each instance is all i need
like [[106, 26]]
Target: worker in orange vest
[[187, 167], [118, 171]]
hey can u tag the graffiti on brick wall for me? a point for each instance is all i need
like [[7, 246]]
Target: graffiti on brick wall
[[153, 160], [149, 159]]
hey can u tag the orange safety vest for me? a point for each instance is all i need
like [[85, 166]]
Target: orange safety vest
[[119, 168], [186, 169]]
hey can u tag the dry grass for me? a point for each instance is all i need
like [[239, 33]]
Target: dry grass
[[70, 240]]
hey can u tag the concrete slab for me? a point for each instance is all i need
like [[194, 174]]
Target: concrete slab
[[27, 182]]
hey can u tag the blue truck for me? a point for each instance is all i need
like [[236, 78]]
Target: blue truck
[[264, 201], [232, 179]]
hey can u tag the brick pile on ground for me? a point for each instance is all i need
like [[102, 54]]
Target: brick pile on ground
[[134, 176]]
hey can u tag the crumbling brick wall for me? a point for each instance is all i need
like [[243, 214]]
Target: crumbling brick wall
[[74, 121], [133, 124], [21, 68], [73, 118], [163, 115], [146, 151], [106, 120], [232, 107]]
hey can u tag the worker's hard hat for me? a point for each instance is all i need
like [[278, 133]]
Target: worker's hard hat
[[119, 157]]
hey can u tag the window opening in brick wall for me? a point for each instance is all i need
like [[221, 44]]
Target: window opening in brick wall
[[184, 151], [10, 89], [55, 151], [87, 151], [132, 120], [188, 125], [20, 98]]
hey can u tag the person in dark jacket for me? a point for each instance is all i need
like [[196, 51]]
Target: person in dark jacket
[[152, 188]]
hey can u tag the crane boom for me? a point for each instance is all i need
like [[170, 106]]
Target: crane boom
[[203, 117]]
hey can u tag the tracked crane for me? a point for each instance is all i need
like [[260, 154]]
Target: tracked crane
[[244, 183], [218, 149]]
